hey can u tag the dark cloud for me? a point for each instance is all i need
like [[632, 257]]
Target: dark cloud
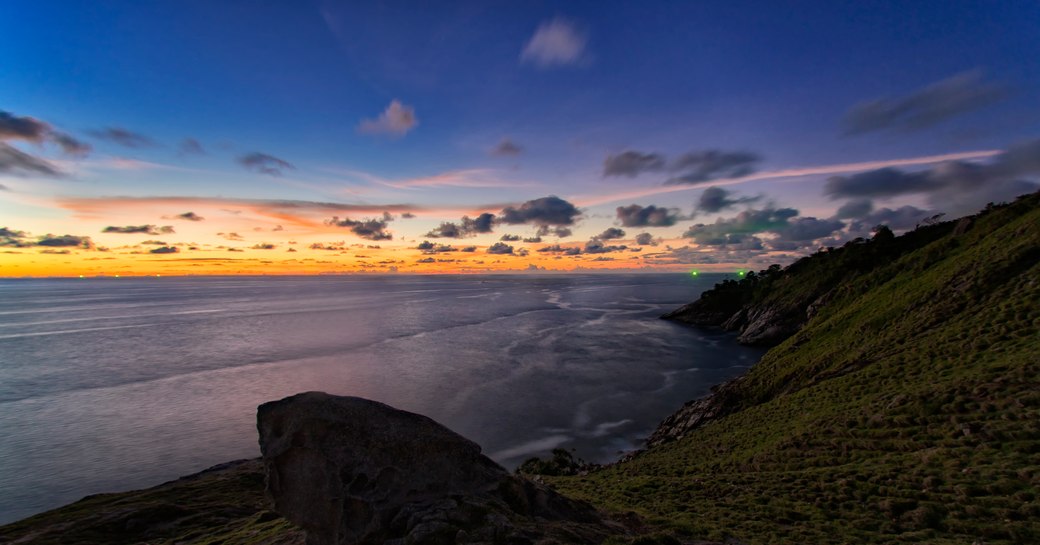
[[371, 229], [634, 215], [70, 145], [11, 238], [809, 228], [407, 215], [13, 127], [14, 161], [190, 216], [533, 240], [465, 228], [191, 146], [611, 233], [139, 229], [558, 232], [727, 231], [596, 246], [428, 247], [500, 248], [703, 166], [632, 163], [545, 211], [645, 239], [855, 208], [507, 148], [65, 241], [53, 251], [509, 238], [264, 163], [925, 107], [165, 250], [123, 137], [154, 242], [263, 246], [230, 236], [426, 260], [955, 187], [716, 199], [897, 219], [557, 249], [469, 249]]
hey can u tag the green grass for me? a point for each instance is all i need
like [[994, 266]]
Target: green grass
[[907, 410]]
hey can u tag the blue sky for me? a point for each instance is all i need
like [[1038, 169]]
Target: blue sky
[[570, 85]]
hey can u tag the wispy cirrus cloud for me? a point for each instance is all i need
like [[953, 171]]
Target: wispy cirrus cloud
[[925, 107], [264, 163], [123, 137]]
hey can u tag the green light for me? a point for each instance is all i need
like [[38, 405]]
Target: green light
[[694, 273], [740, 273]]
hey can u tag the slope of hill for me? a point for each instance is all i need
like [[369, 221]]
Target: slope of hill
[[906, 409]]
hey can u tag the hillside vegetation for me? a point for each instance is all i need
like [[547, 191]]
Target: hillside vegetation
[[905, 409]]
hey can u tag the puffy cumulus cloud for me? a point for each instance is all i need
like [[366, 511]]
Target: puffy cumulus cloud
[[897, 219], [611, 233], [12, 238], [632, 163], [748, 222], [557, 249], [428, 247], [697, 167], [466, 227], [139, 229], [468, 249], [164, 250], [808, 229], [635, 215], [190, 146], [192, 216], [407, 216], [716, 199], [396, 120], [371, 229], [558, 231], [555, 43], [683, 256], [855, 208], [925, 107], [546, 211], [646, 239], [231, 236], [264, 163], [533, 240], [509, 238], [507, 148], [15, 161], [500, 248], [956, 187], [426, 260], [263, 246], [123, 137]]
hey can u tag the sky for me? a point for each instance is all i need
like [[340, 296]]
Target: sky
[[327, 137]]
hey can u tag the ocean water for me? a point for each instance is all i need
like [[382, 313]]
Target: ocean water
[[114, 384]]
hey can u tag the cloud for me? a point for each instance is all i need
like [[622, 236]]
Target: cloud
[[632, 163], [645, 239], [545, 211], [428, 247], [426, 260], [123, 137], [533, 240], [509, 238], [165, 250], [465, 228], [407, 216], [13, 127], [190, 216], [715, 199], [65, 241], [727, 231], [469, 249], [554, 43], [808, 229], [500, 248], [264, 163], [14, 161], [397, 120], [70, 145], [139, 229], [697, 167], [635, 215], [558, 232], [958, 187], [506, 148], [230, 236], [898, 219], [925, 107], [11, 238], [596, 246], [855, 208], [611, 233], [371, 229], [190, 146]]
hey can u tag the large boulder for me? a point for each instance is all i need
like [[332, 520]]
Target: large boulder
[[350, 470]]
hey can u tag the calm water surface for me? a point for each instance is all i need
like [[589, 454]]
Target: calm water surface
[[114, 384]]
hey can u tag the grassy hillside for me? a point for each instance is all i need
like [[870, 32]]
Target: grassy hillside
[[906, 410]]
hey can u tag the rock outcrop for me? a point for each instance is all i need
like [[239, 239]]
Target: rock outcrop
[[722, 400], [350, 470]]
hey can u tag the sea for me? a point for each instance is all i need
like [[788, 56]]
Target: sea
[[112, 384]]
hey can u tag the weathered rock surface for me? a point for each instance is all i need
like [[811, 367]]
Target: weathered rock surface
[[694, 414], [757, 324], [350, 470]]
